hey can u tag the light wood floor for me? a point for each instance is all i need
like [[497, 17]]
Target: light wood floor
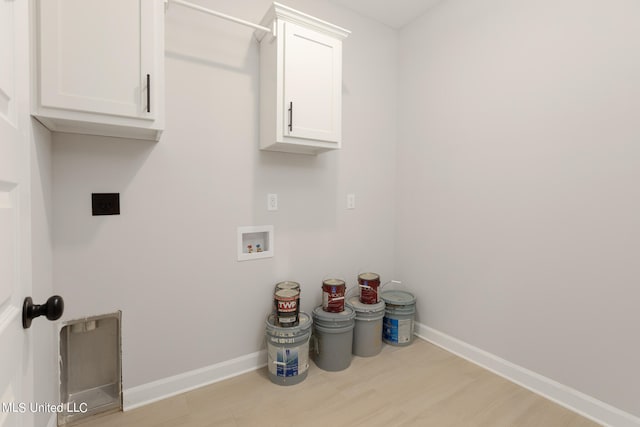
[[418, 385]]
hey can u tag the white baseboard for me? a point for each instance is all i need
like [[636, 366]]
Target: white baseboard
[[574, 400], [151, 392]]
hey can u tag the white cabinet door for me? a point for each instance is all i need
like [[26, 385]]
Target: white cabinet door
[[16, 375], [300, 82], [312, 84], [97, 56]]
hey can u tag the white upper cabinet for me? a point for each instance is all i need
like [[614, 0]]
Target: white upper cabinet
[[300, 83], [101, 67]]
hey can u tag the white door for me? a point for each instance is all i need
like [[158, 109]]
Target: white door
[[86, 73], [15, 275], [312, 84]]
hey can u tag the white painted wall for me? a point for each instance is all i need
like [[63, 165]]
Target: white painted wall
[[169, 260], [518, 205], [45, 354]]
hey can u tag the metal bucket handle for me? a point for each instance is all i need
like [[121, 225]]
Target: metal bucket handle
[[350, 291], [314, 345], [395, 282]]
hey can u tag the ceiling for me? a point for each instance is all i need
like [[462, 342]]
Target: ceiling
[[394, 13]]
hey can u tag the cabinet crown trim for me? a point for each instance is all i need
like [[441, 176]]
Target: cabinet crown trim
[[280, 11]]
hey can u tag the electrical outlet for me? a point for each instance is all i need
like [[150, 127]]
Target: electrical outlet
[[351, 201], [105, 203], [272, 202]]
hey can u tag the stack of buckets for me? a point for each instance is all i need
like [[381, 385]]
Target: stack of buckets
[[333, 324], [288, 332], [339, 330]]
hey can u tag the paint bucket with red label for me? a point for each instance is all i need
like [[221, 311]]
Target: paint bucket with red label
[[286, 306], [369, 284], [333, 295]]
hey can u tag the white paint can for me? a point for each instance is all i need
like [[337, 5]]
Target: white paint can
[[398, 320], [288, 350]]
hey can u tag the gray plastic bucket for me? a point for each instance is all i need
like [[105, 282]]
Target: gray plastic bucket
[[398, 318], [333, 338], [288, 350], [367, 334]]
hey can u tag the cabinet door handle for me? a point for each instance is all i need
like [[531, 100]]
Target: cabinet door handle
[[291, 116], [148, 93]]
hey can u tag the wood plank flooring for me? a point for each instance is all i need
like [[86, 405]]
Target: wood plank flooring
[[418, 385]]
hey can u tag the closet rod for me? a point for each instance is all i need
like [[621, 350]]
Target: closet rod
[[220, 15]]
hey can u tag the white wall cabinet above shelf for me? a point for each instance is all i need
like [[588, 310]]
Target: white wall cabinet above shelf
[[100, 67], [300, 82]]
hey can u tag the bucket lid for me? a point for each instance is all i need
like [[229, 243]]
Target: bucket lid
[[369, 276], [304, 323], [398, 297], [325, 316], [360, 307], [287, 285], [333, 282]]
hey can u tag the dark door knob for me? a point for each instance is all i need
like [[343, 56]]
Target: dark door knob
[[53, 309]]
